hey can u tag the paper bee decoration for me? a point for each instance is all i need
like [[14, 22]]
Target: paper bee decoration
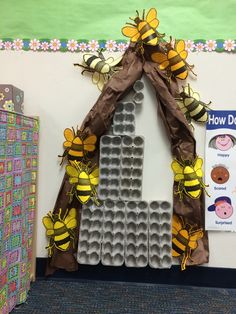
[[102, 69], [173, 60], [184, 239], [59, 229], [189, 176], [144, 30], [192, 107], [77, 144], [84, 180]]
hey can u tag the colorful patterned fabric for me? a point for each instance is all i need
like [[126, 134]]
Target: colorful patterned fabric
[[18, 172]]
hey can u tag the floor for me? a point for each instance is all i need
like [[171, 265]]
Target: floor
[[99, 297]]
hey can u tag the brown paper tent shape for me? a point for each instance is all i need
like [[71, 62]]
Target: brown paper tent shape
[[183, 145]]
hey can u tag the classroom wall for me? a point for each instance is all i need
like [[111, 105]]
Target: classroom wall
[[57, 93]]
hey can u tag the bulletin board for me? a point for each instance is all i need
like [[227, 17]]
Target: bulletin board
[[34, 48]]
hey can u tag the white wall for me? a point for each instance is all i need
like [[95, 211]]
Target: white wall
[[57, 93]]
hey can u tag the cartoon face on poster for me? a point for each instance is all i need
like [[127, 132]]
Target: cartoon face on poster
[[220, 165]]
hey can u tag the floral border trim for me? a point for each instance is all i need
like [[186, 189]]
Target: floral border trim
[[72, 45]]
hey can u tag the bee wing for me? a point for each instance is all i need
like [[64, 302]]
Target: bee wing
[[193, 239], [70, 219], [180, 46], [72, 223], [109, 60], [178, 170], [151, 18], [48, 224], [183, 54], [69, 134], [114, 62], [161, 59], [73, 173], [94, 177], [101, 82], [131, 32], [67, 144], [176, 224], [72, 213], [95, 77], [89, 143], [177, 167], [198, 167], [196, 96]]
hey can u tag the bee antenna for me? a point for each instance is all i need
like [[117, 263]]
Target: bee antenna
[[66, 212], [59, 214], [50, 215]]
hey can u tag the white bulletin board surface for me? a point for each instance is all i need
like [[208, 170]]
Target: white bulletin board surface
[[61, 97]]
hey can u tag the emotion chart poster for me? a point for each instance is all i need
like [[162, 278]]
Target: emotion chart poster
[[220, 171]]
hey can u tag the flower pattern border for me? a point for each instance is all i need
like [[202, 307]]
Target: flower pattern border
[[75, 46]]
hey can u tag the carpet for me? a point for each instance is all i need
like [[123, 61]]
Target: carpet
[[98, 297]]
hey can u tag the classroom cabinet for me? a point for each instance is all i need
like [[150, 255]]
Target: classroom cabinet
[[18, 186]]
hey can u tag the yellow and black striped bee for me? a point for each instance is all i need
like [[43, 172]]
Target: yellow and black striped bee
[[173, 60], [189, 175], [144, 30], [78, 144], [101, 68], [184, 239], [191, 105], [84, 180], [60, 229]]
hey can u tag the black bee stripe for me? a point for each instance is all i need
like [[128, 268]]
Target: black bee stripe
[[150, 37], [192, 188], [63, 241], [193, 105], [199, 114], [182, 239], [177, 249], [84, 193], [176, 59], [179, 71], [91, 59], [60, 231], [190, 176], [98, 67], [76, 147], [145, 29]]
